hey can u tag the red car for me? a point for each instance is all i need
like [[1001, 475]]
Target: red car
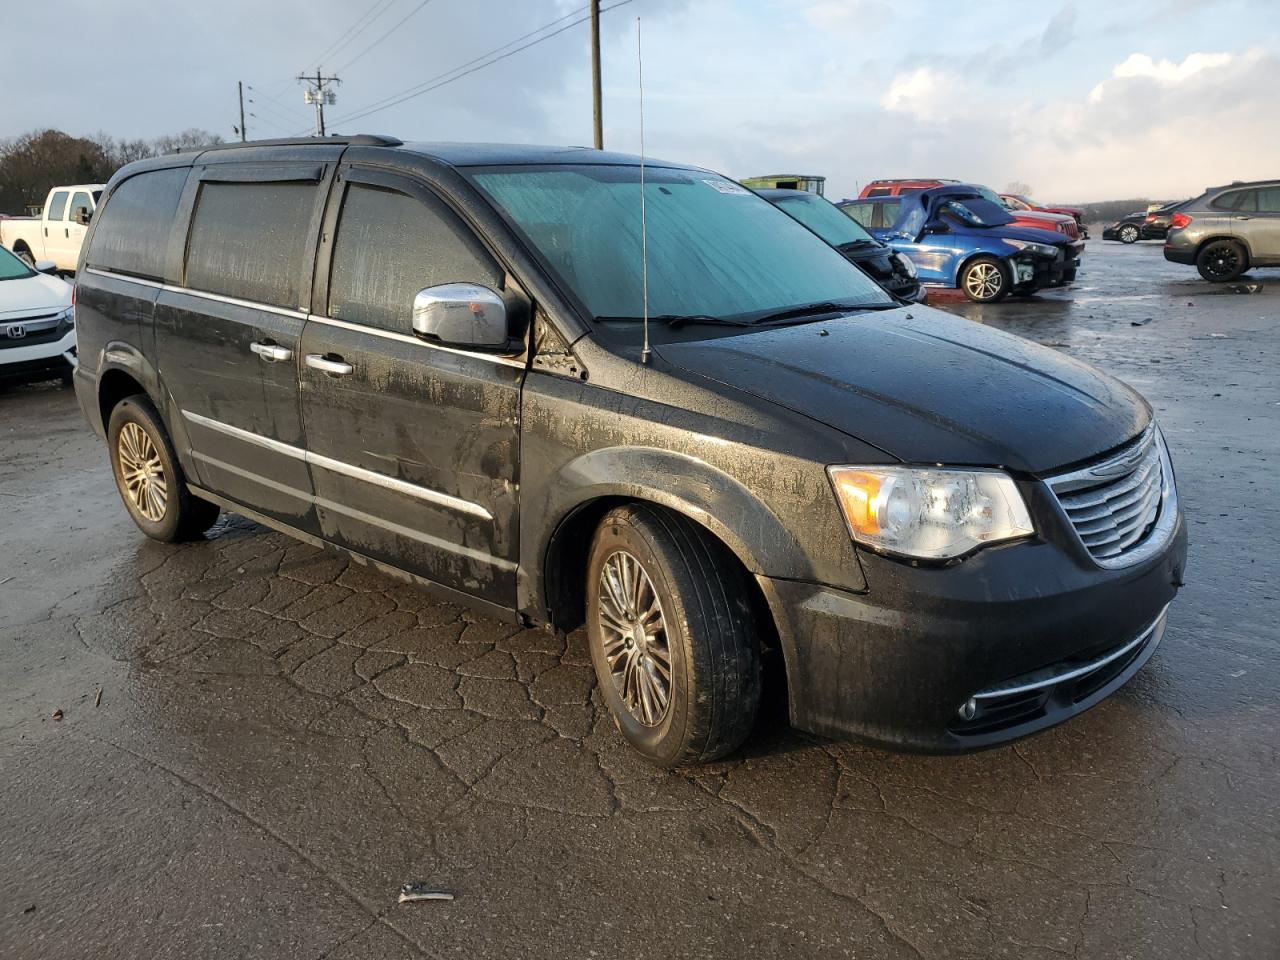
[[1024, 217], [1016, 201]]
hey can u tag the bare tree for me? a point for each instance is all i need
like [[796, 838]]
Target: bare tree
[[34, 162], [1018, 188]]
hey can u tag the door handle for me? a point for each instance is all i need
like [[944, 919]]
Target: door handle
[[1244, 218], [335, 368], [270, 352]]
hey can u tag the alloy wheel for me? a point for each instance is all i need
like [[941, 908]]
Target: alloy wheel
[[1223, 261], [142, 472], [633, 633], [1129, 234], [983, 281]]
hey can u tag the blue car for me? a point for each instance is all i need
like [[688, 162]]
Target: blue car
[[958, 238]]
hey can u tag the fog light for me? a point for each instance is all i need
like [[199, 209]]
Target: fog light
[[969, 710]]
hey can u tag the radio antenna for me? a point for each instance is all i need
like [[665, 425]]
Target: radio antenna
[[644, 226]]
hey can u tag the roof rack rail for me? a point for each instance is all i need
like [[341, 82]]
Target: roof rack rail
[[355, 140]]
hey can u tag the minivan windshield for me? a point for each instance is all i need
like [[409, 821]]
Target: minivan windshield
[[716, 251], [825, 219], [11, 268]]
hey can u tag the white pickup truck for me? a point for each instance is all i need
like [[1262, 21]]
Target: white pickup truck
[[59, 230]]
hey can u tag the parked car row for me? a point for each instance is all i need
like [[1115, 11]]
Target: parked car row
[[1150, 224], [643, 398], [958, 235]]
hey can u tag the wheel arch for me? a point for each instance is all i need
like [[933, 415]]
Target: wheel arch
[[1215, 237], [581, 494], [124, 371], [968, 258]]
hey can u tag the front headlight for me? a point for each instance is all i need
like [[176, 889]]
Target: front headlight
[[928, 513], [67, 317], [905, 262], [1043, 249]]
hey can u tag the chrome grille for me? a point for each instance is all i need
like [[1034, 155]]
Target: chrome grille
[[1122, 507]]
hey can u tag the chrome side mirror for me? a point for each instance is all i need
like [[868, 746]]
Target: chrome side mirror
[[46, 266], [463, 315]]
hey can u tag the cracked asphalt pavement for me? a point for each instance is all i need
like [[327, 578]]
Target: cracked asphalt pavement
[[283, 737]]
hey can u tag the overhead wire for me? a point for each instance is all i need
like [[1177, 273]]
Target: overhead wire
[[471, 66], [362, 23], [396, 26]]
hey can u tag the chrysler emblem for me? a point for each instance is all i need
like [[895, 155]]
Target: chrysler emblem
[[17, 331]]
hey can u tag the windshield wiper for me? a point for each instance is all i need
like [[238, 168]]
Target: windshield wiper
[[861, 242], [677, 320], [821, 309]]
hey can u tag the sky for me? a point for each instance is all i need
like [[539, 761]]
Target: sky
[[1083, 100]]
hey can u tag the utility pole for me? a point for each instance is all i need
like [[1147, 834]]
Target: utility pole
[[596, 111], [240, 87], [318, 93]]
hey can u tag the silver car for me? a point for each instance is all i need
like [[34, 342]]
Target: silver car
[[1227, 230]]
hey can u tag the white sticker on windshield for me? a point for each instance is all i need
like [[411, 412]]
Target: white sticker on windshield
[[725, 186]]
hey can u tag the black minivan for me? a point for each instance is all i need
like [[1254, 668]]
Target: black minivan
[[435, 357]]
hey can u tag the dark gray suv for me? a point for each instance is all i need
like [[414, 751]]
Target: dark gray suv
[[434, 357], [1227, 230]]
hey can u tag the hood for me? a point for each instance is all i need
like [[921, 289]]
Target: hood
[[927, 387], [36, 294], [1030, 234]]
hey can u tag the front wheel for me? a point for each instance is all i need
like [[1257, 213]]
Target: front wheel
[[1129, 233], [1221, 261], [148, 476], [672, 634], [985, 280], [26, 257]]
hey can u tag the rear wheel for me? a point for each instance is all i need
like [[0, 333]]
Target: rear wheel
[[1129, 233], [148, 476], [985, 280], [672, 635], [1222, 260], [23, 254]]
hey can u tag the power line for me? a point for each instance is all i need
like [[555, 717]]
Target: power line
[[362, 23], [269, 102], [489, 60], [377, 104], [394, 28]]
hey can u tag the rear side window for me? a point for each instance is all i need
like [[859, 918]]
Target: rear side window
[[1238, 200], [889, 213], [248, 240], [879, 192], [57, 205], [391, 245], [132, 232]]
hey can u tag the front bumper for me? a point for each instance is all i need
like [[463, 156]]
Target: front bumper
[[897, 664], [38, 360]]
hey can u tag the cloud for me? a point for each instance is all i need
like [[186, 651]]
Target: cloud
[[1163, 71], [845, 15], [1061, 30], [920, 92]]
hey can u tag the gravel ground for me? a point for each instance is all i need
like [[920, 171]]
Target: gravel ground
[[283, 738]]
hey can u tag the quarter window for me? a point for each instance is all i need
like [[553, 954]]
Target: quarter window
[[132, 231], [1243, 200], [249, 240], [57, 205], [389, 246]]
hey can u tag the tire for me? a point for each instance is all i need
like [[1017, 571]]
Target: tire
[[985, 280], [1220, 261], [1129, 233], [704, 627], [26, 257], [160, 503]]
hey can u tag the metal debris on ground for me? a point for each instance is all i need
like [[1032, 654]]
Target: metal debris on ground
[[57, 714], [97, 701], [411, 892], [1139, 323], [1245, 287]]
